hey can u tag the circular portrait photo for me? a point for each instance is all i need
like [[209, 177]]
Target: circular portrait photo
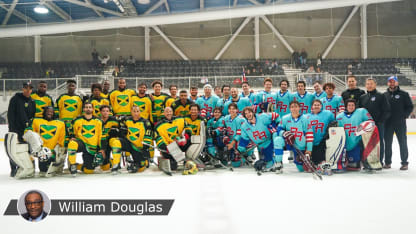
[[34, 205]]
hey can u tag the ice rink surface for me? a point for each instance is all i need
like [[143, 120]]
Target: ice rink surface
[[222, 201]]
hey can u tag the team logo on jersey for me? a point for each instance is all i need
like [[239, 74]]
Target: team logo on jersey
[[88, 131], [140, 104], [39, 105], [172, 132], [373, 99], [183, 113], [194, 128], [158, 104], [71, 105], [123, 100], [47, 131], [397, 96], [133, 133]]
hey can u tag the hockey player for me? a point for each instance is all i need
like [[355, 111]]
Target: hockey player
[[319, 119], [193, 94], [158, 101], [332, 102], [106, 89], [96, 100], [181, 107], [143, 101], [173, 138], [241, 102], [350, 119], [109, 122], [52, 135], [303, 97], [248, 93], [134, 130], [265, 100], [68, 106], [41, 98], [256, 129], [207, 102], [120, 99], [319, 93], [232, 124], [283, 99], [86, 138], [194, 119], [294, 131], [215, 144], [226, 89], [173, 90]]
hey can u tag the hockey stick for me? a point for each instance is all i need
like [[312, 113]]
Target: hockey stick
[[308, 163], [153, 162], [212, 158]]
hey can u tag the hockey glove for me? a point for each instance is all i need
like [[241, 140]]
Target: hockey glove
[[203, 113], [182, 141], [213, 133], [289, 138], [226, 140], [44, 154], [123, 132], [114, 132], [259, 165], [263, 106], [98, 159]]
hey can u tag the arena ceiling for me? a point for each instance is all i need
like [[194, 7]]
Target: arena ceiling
[[18, 18]]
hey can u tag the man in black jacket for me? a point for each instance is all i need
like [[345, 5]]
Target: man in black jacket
[[401, 107], [21, 109], [379, 108], [352, 92]]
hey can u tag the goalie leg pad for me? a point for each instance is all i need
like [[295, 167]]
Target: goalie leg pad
[[19, 154], [335, 148], [34, 141], [176, 152], [58, 165]]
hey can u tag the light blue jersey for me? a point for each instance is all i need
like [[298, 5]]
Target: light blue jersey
[[319, 96], [221, 101], [207, 105], [259, 133], [305, 101], [300, 128], [283, 102], [232, 126], [214, 124], [264, 97], [251, 97], [241, 103], [319, 124], [350, 122], [335, 104]]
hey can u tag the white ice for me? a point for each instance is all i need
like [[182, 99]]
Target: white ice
[[222, 201]]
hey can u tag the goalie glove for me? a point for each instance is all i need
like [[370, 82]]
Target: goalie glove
[[289, 138], [182, 141]]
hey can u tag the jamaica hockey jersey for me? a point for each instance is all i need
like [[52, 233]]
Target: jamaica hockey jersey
[[89, 131], [145, 105], [52, 132], [67, 107], [41, 102], [120, 101]]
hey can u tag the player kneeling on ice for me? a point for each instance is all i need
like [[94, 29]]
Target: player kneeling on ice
[[134, 131], [85, 137], [45, 137], [258, 130], [295, 134], [215, 142], [319, 120], [351, 119], [173, 138]]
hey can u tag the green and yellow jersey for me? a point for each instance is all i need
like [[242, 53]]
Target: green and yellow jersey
[[169, 101], [167, 131], [145, 104], [111, 122], [195, 125], [158, 105], [97, 103], [89, 131], [138, 131], [52, 132], [179, 109], [120, 101], [67, 107], [105, 95], [41, 102]]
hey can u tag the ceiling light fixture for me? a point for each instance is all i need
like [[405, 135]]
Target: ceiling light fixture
[[143, 1], [41, 9]]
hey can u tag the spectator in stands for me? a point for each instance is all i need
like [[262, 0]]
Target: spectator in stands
[[295, 59], [318, 76], [120, 62], [131, 60], [401, 107], [116, 72], [49, 72], [21, 110], [217, 91], [94, 55], [353, 91], [319, 60], [104, 60], [303, 57], [309, 75], [378, 107]]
